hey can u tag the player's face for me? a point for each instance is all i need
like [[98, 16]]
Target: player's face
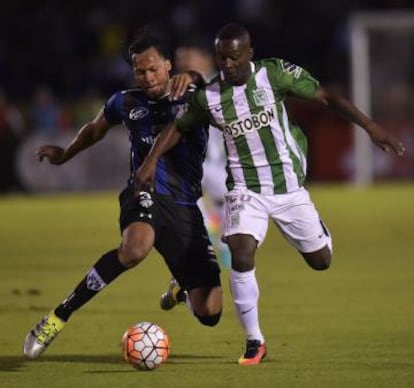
[[151, 72], [233, 59]]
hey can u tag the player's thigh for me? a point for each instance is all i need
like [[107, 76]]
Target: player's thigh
[[137, 228], [137, 241], [300, 223], [245, 214]]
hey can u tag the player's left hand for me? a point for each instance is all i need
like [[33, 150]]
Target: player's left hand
[[386, 141], [179, 85]]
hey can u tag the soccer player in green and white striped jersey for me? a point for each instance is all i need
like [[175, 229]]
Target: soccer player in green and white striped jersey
[[266, 162]]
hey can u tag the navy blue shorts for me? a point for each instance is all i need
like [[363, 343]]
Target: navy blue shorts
[[180, 236]]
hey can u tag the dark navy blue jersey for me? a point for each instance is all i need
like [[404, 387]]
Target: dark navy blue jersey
[[179, 171]]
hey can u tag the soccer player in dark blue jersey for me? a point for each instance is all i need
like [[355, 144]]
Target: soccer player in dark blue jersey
[[167, 218]]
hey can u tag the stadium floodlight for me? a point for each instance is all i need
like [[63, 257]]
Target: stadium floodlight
[[362, 26]]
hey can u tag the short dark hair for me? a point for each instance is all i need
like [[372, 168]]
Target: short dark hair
[[232, 31], [141, 40]]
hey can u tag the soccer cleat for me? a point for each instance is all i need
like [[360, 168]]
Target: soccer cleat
[[42, 335], [173, 296], [255, 352]]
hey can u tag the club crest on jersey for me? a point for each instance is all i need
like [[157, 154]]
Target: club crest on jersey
[[260, 97], [138, 113]]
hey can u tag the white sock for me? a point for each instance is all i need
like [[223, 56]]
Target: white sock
[[245, 292]]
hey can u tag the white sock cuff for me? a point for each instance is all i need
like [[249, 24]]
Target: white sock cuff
[[242, 276]]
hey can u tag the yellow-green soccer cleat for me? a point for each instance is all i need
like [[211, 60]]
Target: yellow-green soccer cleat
[[173, 296], [42, 335]]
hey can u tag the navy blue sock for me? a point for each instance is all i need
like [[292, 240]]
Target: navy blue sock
[[105, 270]]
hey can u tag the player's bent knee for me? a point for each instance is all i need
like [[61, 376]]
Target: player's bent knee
[[130, 257], [209, 320]]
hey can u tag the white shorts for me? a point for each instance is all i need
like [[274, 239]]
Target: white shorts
[[293, 213]]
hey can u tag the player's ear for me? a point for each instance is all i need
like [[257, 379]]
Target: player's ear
[[250, 53], [168, 65]]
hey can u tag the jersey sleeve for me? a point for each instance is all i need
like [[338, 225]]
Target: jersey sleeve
[[112, 109], [195, 114], [293, 80]]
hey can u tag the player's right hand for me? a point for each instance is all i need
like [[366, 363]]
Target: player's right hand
[[179, 84], [53, 153], [386, 141], [145, 176]]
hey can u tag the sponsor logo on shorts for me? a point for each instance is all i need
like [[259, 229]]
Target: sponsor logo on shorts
[[145, 199], [234, 220], [232, 199], [236, 208]]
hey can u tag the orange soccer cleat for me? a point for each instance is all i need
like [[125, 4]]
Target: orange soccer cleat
[[255, 353]]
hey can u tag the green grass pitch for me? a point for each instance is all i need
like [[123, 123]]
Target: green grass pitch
[[350, 326]]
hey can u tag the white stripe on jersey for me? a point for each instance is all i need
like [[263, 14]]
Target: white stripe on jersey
[[257, 151], [213, 102], [262, 81], [293, 143]]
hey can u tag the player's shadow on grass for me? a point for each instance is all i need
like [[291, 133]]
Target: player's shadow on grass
[[15, 363], [11, 363], [192, 358]]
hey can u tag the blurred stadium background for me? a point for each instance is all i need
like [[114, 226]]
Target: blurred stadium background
[[60, 60]]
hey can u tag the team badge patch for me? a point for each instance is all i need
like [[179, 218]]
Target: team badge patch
[[93, 281], [260, 97]]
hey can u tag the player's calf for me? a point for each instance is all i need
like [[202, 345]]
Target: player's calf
[[319, 260]]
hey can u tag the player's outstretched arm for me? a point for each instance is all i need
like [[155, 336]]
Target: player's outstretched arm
[[379, 136], [167, 139], [88, 135]]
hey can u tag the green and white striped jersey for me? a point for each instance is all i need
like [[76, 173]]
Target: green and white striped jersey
[[266, 153]]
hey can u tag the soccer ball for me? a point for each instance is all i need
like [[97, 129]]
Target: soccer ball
[[145, 346]]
